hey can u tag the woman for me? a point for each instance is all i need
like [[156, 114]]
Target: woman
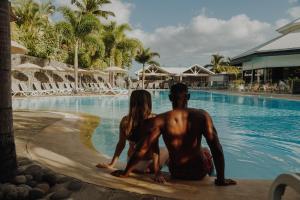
[[139, 110]]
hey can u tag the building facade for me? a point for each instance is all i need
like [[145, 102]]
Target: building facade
[[274, 61]]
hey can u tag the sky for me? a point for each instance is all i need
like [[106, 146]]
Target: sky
[[187, 32]]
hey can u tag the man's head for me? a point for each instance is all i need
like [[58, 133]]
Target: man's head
[[179, 95]]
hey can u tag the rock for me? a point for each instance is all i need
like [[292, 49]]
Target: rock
[[20, 170], [38, 175], [32, 183], [74, 185], [26, 186], [32, 168], [23, 192], [10, 192], [36, 193], [43, 186], [21, 179], [60, 194], [50, 178], [24, 162], [29, 177], [7, 187], [62, 179]]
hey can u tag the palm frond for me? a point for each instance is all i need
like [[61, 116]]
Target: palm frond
[[69, 15], [87, 24]]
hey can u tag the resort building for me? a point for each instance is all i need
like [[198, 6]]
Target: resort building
[[277, 60], [195, 75]]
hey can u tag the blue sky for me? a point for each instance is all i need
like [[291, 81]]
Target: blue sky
[[156, 13], [187, 32]]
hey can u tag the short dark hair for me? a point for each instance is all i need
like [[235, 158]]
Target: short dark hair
[[178, 88]]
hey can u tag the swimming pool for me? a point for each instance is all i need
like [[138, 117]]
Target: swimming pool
[[260, 136]]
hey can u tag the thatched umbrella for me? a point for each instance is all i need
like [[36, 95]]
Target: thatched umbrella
[[112, 71], [27, 67], [19, 76]]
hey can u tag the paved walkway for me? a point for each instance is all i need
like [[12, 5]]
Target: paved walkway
[[59, 141]]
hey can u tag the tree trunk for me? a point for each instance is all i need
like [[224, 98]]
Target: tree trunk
[[8, 162], [76, 66], [143, 77]]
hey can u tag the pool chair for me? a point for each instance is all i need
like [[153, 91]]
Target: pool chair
[[28, 91], [16, 90], [106, 90], [69, 88], [117, 89], [79, 87], [56, 88], [39, 89], [62, 88], [48, 87], [278, 186]]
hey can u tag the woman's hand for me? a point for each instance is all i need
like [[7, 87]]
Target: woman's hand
[[224, 182], [119, 173], [104, 165]]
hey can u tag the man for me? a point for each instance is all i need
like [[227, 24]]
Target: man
[[182, 129]]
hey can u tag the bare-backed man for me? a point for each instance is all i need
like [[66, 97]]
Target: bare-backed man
[[182, 129]]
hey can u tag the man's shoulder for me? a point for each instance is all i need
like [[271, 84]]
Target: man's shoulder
[[196, 110]]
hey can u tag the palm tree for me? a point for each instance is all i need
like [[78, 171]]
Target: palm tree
[[119, 49], [145, 56], [33, 26], [216, 61], [77, 29], [8, 162], [93, 7]]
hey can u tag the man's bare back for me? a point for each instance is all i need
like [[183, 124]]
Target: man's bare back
[[182, 129]]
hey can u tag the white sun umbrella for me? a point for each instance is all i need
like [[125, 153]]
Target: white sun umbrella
[[17, 48], [113, 70], [27, 67]]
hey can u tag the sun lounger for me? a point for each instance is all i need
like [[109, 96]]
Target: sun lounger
[[278, 186], [116, 89], [62, 88], [69, 88], [105, 90], [16, 90], [55, 87], [28, 91], [38, 88], [48, 87]]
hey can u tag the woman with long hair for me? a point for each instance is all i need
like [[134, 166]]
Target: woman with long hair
[[140, 109]]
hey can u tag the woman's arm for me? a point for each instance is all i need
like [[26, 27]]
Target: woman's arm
[[119, 148]]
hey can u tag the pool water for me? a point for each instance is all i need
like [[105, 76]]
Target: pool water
[[260, 136]]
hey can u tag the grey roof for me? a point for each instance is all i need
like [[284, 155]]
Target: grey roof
[[285, 42]]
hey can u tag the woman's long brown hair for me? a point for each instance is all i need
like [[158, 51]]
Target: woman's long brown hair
[[139, 109]]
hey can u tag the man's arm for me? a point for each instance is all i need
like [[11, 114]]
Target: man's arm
[[152, 127], [213, 142]]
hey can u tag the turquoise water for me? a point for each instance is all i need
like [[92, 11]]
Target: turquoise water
[[260, 136]]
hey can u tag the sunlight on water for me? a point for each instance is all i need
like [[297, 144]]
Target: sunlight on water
[[260, 136]]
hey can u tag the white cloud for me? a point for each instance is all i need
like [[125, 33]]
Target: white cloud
[[294, 12], [203, 36], [121, 9]]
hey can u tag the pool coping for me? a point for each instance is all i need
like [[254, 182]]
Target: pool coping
[[75, 159]]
